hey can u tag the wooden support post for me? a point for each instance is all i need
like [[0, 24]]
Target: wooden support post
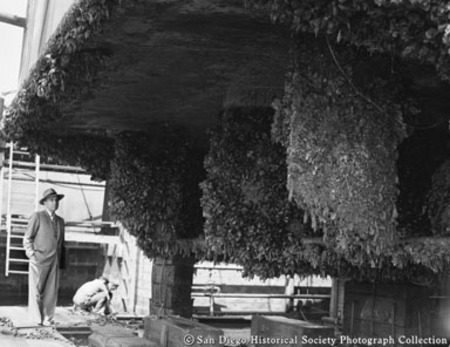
[[171, 286], [8, 208], [419, 323], [2, 162], [352, 320], [13, 20], [394, 309], [372, 321], [211, 305], [36, 182]]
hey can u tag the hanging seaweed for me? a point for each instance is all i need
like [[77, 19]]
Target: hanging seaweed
[[64, 73], [345, 126], [92, 152], [438, 201], [249, 219], [414, 30], [155, 192]]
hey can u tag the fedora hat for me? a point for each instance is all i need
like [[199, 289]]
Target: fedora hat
[[48, 193]]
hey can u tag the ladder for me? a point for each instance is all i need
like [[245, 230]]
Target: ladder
[[19, 171], [20, 181]]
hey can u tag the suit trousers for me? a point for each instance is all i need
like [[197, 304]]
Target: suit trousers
[[43, 286]]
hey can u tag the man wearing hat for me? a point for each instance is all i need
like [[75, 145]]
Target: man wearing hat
[[44, 246]]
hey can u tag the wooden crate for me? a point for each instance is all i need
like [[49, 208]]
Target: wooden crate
[[176, 331], [275, 331]]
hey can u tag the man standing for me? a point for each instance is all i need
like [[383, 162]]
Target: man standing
[[44, 246]]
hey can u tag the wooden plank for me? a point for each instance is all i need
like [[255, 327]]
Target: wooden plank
[[13, 19], [14, 260], [171, 331], [89, 224], [84, 184], [44, 167], [16, 248], [18, 272], [219, 267], [76, 236], [265, 296]]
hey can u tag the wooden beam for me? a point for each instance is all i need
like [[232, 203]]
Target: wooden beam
[[75, 236], [13, 20], [49, 167]]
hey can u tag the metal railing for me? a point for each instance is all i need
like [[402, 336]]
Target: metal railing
[[214, 292]]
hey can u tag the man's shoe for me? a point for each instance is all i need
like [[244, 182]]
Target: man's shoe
[[48, 323]]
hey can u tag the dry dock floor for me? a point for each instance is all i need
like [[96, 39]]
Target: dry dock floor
[[26, 333]]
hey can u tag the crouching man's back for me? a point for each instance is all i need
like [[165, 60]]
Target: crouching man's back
[[94, 296]]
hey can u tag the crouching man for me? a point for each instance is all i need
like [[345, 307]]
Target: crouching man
[[95, 296]]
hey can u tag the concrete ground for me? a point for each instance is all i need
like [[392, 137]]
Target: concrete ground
[[35, 337], [16, 330], [11, 341], [20, 331], [64, 316]]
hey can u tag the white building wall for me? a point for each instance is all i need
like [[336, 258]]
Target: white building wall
[[82, 201], [138, 293]]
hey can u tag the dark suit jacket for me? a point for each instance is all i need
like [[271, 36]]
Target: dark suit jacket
[[40, 242]]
